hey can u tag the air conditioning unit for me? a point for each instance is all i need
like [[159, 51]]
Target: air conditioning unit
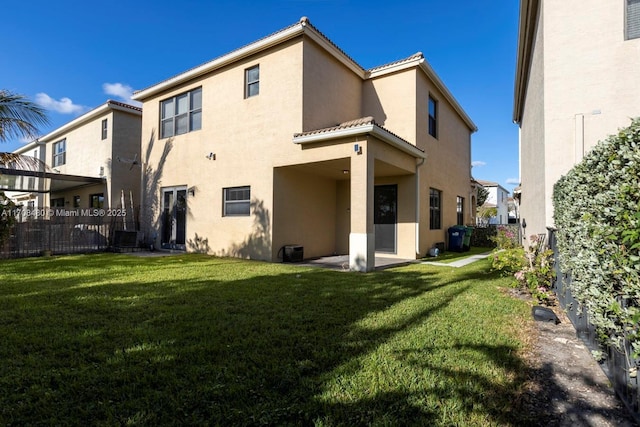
[[292, 253]]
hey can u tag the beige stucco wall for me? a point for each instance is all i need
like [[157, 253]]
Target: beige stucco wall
[[331, 92], [399, 101], [247, 136], [87, 154], [125, 130], [448, 164], [304, 212], [318, 195], [589, 90], [532, 138], [391, 100]]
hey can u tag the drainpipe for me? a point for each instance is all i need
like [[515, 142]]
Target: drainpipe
[[579, 137], [418, 204]]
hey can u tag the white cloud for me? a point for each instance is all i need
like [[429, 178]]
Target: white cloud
[[478, 163], [63, 106], [122, 91], [513, 181]]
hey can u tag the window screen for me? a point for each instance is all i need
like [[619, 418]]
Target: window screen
[[633, 19]]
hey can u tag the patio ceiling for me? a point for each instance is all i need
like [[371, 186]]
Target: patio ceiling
[[27, 174], [335, 169]]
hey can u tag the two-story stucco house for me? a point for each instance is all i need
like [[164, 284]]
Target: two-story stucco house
[[86, 163], [498, 198], [288, 141], [576, 82]]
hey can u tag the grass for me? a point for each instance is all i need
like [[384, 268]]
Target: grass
[[120, 340]]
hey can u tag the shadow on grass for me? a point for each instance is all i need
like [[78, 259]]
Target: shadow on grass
[[196, 340]]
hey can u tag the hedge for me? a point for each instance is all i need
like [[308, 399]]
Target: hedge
[[597, 213]]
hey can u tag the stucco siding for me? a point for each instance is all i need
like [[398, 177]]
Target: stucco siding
[[581, 88], [247, 137], [332, 93], [532, 137], [391, 101], [448, 164]]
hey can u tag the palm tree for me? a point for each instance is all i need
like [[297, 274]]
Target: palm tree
[[19, 117]]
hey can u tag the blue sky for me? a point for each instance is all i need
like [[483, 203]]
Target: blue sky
[[71, 56]]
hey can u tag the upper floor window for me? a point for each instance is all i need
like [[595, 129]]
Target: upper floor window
[[181, 114], [104, 129], [236, 201], [433, 117], [435, 209], [59, 153], [632, 20], [252, 81]]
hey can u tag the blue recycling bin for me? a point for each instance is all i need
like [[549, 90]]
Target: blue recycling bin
[[456, 238]]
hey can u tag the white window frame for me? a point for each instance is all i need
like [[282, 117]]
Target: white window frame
[[192, 115], [229, 195], [59, 153], [432, 129], [460, 210], [105, 125], [632, 20], [251, 83], [435, 209]]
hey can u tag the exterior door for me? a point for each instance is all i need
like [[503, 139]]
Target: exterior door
[[385, 217], [174, 217]]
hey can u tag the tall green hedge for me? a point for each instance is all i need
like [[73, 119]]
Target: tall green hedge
[[597, 213]]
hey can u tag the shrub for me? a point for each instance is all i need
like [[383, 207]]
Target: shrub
[[596, 209], [505, 238], [538, 273], [508, 261], [7, 217], [532, 269]]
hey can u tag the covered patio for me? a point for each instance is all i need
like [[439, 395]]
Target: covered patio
[[353, 192]]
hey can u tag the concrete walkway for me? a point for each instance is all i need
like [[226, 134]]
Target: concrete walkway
[[460, 262]]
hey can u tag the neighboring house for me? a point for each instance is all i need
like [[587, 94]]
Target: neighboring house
[[86, 163], [514, 213], [288, 144], [30, 195], [576, 83], [499, 199]]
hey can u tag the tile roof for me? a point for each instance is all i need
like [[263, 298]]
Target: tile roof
[[345, 125], [415, 56], [352, 124], [124, 105], [487, 183]]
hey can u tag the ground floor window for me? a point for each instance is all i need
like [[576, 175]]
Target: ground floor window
[[97, 201], [460, 210], [237, 201], [57, 202], [435, 209]]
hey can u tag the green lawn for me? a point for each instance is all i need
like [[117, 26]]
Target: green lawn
[[121, 340]]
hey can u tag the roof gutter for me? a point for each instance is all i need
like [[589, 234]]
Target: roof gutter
[[529, 12]]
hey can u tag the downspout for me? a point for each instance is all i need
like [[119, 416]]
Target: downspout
[[418, 205]]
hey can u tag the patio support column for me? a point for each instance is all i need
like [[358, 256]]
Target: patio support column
[[362, 238]]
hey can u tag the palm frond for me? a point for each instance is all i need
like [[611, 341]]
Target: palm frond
[[19, 117]]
